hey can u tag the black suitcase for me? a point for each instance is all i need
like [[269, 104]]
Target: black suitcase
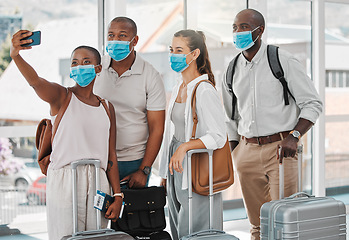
[[108, 234]]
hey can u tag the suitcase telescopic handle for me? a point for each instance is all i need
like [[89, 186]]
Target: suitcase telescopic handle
[[74, 165], [190, 186], [282, 176]]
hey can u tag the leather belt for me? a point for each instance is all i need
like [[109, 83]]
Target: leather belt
[[267, 139]]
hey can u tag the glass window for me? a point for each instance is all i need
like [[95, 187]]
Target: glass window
[[337, 160], [327, 78], [340, 79]]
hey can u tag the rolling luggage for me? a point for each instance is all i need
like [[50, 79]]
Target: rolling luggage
[[209, 233], [99, 233], [302, 216]]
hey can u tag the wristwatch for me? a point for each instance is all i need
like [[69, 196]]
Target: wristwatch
[[146, 170], [296, 134], [119, 195]]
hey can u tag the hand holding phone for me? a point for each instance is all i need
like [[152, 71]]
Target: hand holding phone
[[36, 37]]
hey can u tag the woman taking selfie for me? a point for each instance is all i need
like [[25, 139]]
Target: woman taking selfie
[[85, 131], [189, 56]]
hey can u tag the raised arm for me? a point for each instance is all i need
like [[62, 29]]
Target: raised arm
[[50, 92]]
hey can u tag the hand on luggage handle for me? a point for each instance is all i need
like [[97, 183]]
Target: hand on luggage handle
[[281, 172]]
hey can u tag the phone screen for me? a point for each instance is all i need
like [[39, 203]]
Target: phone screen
[[36, 37]]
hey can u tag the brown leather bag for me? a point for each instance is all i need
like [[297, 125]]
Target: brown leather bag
[[223, 172]]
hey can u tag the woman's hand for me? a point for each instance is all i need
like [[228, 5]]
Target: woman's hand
[[176, 161], [114, 209], [17, 42]]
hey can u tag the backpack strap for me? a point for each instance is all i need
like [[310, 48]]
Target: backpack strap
[[60, 113], [278, 72], [229, 80]]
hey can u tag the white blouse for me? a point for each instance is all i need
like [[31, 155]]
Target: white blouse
[[210, 130]]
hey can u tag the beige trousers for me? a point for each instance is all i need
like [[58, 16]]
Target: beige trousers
[[258, 171], [59, 200]]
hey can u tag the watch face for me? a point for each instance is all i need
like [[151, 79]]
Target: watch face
[[146, 170], [296, 134]]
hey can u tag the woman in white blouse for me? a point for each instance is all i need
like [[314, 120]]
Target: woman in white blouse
[[189, 57]]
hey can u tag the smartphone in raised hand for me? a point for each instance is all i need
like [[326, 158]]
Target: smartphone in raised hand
[[36, 37]]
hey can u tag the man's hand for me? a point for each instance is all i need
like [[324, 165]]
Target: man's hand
[[114, 209], [288, 148], [136, 180]]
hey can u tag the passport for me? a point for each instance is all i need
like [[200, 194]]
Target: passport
[[102, 201]]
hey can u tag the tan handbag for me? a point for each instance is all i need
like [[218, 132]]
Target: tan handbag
[[223, 172]]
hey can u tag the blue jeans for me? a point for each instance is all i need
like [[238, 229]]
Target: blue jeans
[[128, 167]]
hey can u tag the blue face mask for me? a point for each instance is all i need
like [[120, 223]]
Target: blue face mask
[[179, 62], [83, 74], [243, 40], [119, 50]]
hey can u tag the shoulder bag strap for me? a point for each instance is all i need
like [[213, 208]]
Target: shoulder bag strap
[[193, 107], [61, 111], [102, 101]]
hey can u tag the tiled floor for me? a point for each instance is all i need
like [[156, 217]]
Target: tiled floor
[[34, 228]]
